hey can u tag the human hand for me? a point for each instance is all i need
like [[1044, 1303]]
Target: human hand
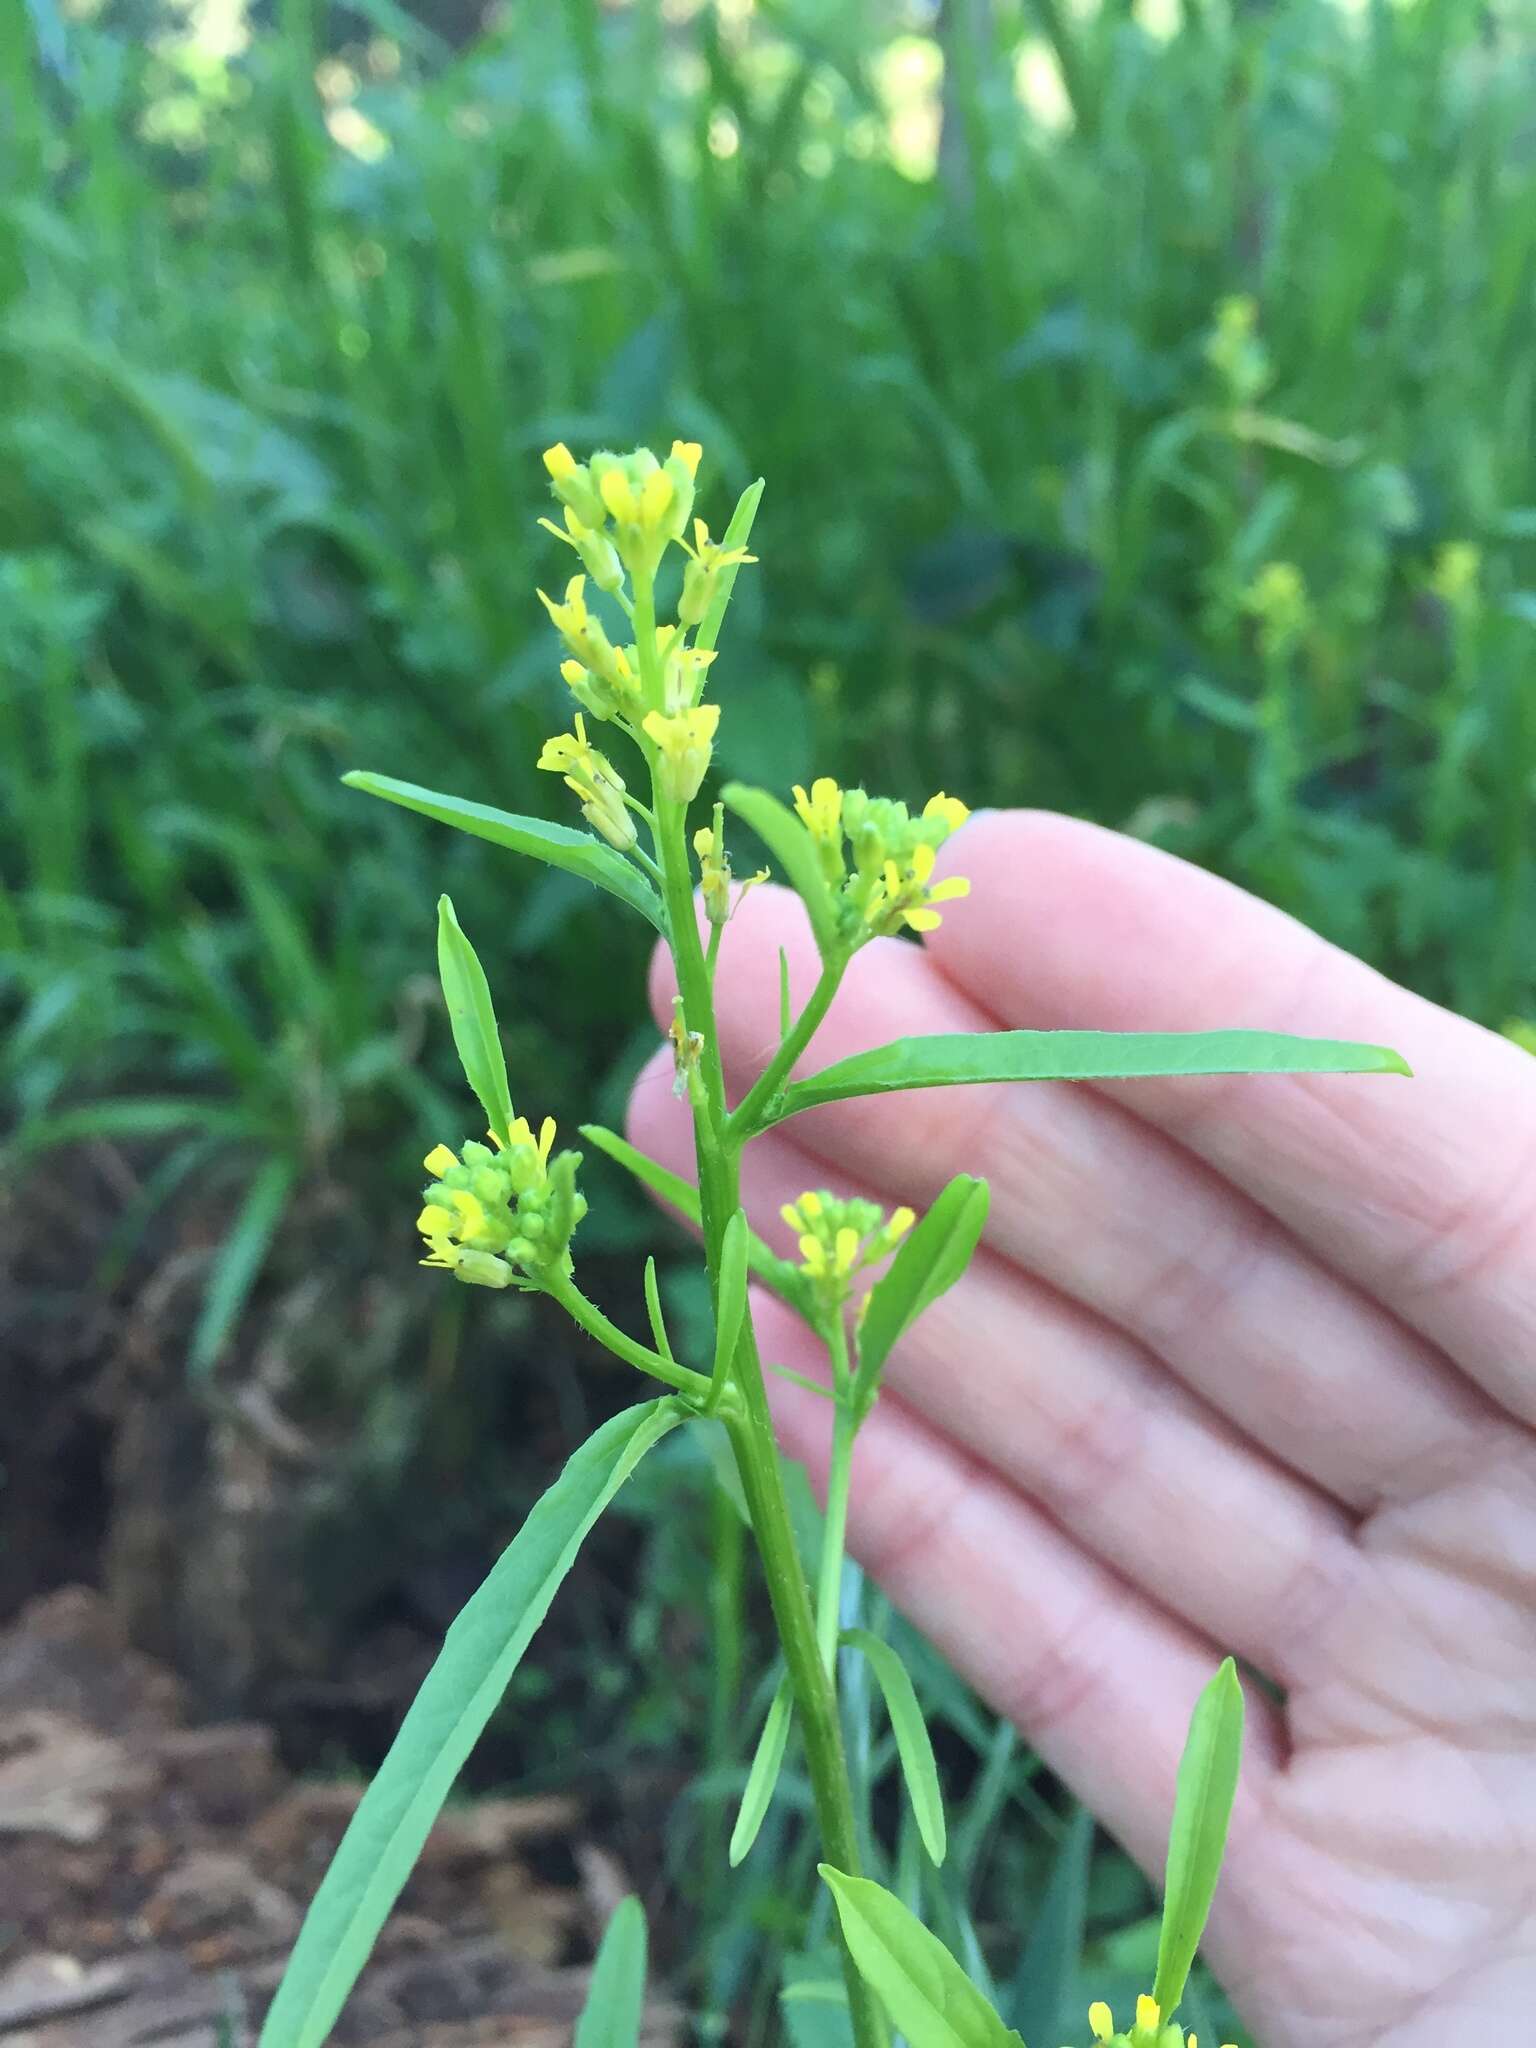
[[1244, 1365]]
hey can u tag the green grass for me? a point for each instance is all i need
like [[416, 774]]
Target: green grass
[[270, 410]]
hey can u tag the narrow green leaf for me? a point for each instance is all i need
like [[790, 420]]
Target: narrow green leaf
[[794, 850], [239, 1262], [781, 1276], [926, 1994], [473, 1017], [731, 1304], [764, 1774], [964, 1056], [1197, 1839], [736, 535], [658, 1321], [928, 1262], [479, 1655], [578, 853], [913, 1747], [615, 2002], [1050, 1968]]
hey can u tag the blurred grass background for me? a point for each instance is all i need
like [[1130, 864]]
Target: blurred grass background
[[1145, 394]]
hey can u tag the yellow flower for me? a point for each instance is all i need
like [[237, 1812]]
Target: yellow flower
[[906, 898], [598, 554], [948, 809], [684, 743], [839, 1238], [1149, 2031], [821, 813], [595, 780], [707, 562], [491, 1212]]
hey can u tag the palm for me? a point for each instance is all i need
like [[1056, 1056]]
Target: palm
[[1243, 1365]]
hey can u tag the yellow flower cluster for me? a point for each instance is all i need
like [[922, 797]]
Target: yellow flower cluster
[[892, 855], [491, 1214], [621, 514], [840, 1238], [1150, 2030]]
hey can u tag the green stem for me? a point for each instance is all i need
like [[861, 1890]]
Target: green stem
[[747, 1118], [596, 1324], [748, 1420], [829, 1592]]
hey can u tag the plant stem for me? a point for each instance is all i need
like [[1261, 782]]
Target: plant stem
[[596, 1324], [746, 1118], [747, 1419]]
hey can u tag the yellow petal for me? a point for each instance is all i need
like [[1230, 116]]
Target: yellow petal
[[1148, 2013], [655, 497], [810, 1204], [688, 453], [901, 1222], [949, 808], [792, 1217], [950, 891], [546, 1139], [439, 1159], [1101, 2021], [617, 495], [922, 920], [559, 461]]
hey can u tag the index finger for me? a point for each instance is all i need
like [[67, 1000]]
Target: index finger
[[1423, 1193]]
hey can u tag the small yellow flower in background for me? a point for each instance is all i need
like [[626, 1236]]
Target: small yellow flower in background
[[839, 1239], [1457, 575], [707, 560], [595, 780], [684, 743], [1277, 599]]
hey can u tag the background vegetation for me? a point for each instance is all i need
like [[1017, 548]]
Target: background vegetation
[[1146, 397]]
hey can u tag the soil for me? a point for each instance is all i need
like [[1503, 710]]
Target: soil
[[153, 1874]]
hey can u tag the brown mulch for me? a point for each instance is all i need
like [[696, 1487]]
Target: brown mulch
[[153, 1875]]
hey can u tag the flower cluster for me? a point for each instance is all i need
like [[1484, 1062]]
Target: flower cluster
[[880, 858], [1150, 2030], [621, 514], [502, 1217], [839, 1239]]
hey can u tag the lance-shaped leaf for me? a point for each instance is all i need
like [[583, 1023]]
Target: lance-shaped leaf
[[764, 1774], [795, 851], [782, 1276], [926, 1994], [479, 1655], [913, 1748], [468, 996], [961, 1056], [730, 1302], [578, 853], [615, 2002], [1197, 1838], [928, 1262]]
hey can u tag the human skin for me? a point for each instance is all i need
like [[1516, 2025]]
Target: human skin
[[1243, 1365]]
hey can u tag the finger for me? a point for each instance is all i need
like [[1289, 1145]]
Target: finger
[[1077, 1416], [1421, 1191], [1122, 1219], [1097, 1678]]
